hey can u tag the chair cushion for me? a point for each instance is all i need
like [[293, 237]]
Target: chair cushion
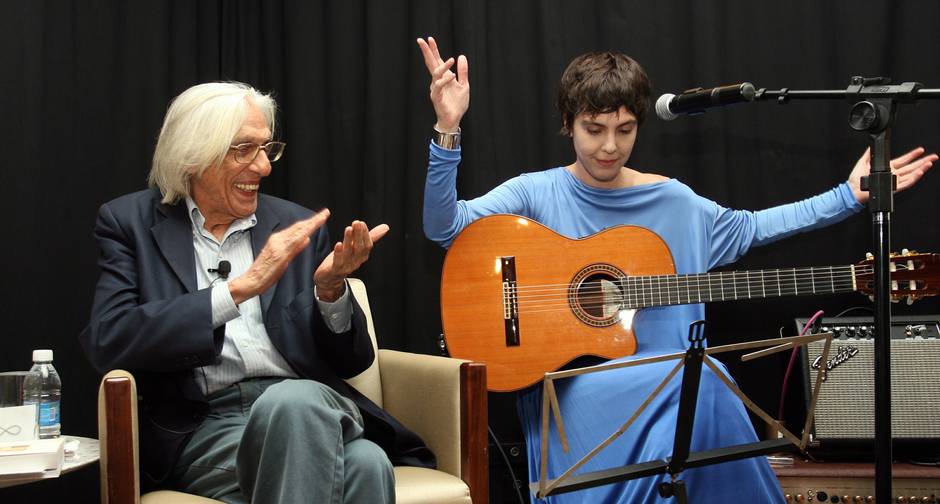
[[417, 485], [171, 497], [413, 485]]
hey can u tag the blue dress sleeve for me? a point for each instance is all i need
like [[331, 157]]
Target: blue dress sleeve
[[736, 231], [445, 216]]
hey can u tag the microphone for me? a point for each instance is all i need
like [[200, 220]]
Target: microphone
[[223, 269], [695, 101]]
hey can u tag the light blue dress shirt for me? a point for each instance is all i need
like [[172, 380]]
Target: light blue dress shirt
[[247, 350]]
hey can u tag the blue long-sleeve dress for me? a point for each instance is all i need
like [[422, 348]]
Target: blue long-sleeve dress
[[701, 235]]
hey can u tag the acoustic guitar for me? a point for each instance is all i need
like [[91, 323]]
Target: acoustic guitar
[[526, 300]]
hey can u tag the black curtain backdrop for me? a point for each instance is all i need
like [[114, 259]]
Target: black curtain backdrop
[[85, 85]]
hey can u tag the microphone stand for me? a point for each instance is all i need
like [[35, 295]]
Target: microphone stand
[[874, 111]]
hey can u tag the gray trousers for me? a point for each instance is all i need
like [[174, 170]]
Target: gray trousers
[[284, 441]]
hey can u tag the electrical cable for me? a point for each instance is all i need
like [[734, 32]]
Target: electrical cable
[[847, 310], [793, 354]]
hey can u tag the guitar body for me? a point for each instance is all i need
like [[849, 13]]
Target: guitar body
[[551, 315]]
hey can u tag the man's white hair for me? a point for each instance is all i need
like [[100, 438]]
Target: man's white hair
[[198, 130]]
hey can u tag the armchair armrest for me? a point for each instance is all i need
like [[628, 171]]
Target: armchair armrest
[[117, 433], [442, 400]]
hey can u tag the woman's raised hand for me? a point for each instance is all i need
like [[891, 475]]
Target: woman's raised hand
[[450, 92]]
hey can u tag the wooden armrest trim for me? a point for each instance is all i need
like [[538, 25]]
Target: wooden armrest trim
[[120, 462], [474, 422]]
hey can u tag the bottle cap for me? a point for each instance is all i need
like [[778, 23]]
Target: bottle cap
[[42, 355]]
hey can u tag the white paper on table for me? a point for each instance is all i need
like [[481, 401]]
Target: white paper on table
[[18, 423]]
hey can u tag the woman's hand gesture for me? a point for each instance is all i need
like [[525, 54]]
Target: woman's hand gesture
[[450, 92]]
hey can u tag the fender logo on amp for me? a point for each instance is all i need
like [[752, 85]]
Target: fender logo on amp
[[843, 353]]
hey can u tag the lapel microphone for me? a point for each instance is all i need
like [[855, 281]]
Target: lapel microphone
[[223, 269]]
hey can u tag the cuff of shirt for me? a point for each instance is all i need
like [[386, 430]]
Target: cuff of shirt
[[848, 198], [437, 150], [338, 314], [223, 306]]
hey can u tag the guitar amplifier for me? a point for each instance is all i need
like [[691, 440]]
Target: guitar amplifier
[[845, 410]]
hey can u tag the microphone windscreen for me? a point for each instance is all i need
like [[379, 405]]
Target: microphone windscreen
[[662, 107]]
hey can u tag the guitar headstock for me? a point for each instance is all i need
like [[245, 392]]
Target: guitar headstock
[[914, 275]]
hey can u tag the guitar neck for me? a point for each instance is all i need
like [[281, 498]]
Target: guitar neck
[[662, 290]]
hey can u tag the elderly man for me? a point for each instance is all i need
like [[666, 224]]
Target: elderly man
[[232, 309]]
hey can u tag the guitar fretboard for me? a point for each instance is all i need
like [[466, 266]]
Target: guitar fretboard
[[661, 290]]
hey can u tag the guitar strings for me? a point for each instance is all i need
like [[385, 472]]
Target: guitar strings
[[649, 289], [673, 288], [649, 300], [553, 297], [670, 281], [750, 277]]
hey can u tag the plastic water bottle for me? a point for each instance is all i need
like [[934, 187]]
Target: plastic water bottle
[[43, 388]]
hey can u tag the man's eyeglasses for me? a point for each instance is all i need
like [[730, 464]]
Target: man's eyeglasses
[[247, 152]]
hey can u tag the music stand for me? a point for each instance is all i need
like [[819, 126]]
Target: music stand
[[682, 458]]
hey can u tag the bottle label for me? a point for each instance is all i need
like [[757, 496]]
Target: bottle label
[[49, 414]]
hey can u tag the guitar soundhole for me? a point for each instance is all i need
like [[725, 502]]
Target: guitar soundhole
[[594, 295]]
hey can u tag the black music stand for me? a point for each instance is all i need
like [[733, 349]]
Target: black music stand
[[681, 458], [688, 399]]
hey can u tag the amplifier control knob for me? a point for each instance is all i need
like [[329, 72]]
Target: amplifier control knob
[[901, 499], [869, 499], [858, 499], [846, 499], [798, 498], [788, 498]]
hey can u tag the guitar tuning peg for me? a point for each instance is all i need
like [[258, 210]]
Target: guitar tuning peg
[[869, 255], [905, 252], [910, 300], [895, 300], [872, 298]]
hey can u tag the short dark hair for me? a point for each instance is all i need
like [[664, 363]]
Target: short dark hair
[[602, 82]]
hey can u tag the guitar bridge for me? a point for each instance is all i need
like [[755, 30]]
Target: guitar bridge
[[510, 300]]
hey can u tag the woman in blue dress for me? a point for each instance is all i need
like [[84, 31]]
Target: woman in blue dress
[[603, 100]]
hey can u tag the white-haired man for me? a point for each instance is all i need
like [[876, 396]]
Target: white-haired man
[[232, 310]]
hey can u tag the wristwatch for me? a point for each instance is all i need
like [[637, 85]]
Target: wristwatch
[[446, 140]]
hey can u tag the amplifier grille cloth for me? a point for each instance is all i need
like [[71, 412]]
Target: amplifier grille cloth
[[846, 406]]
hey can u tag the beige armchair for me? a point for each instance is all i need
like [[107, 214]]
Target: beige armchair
[[443, 400]]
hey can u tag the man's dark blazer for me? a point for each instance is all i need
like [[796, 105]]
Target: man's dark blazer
[[149, 317]]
